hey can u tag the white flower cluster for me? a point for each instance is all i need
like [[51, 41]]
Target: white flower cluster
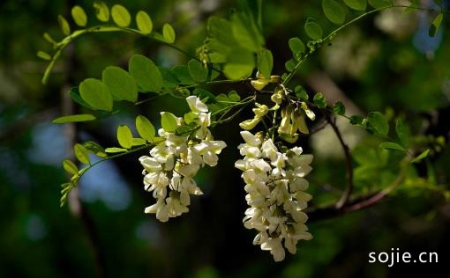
[[275, 187], [173, 164]]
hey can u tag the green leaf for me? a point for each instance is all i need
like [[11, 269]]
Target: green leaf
[[81, 153], [170, 79], [120, 16], [146, 73], [246, 33], [145, 128], [221, 29], [197, 71], [64, 25], [44, 55], [333, 11], [49, 38], [183, 74], [378, 122], [74, 93], [339, 108], [79, 16], [120, 83], [297, 47], [169, 122], [239, 65], [74, 119], [421, 156], [290, 65], [70, 167], [234, 96], [320, 101], [96, 94], [313, 30], [95, 149], [101, 11], [359, 5], [392, 146], [265, 62], [138, 142], [378, 4], [115, 150], [435, 25], [124, 136], [144, 22], [301, 93], [403, 132], [358, 120], [168, 33]]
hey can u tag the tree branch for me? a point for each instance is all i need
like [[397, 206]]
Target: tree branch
[[357, 204], [348, 163]]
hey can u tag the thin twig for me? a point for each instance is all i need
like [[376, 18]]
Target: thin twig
[[360, 203], [348, 163]]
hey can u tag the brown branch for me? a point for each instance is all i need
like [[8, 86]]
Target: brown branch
[[357, 204], [348, 163]]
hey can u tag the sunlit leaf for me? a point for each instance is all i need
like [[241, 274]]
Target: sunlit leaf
[[435, 24], [81, 153], [64, 25], [115, 150], [169, 122], [144, 22], [79, 16], [49, 38], [138, 142], [70, 167], [145, 128], [421, 156], [297, 47], [95, 149], [320, 101], [101, 11], [265, 62], [74, 93], [168, 33], [44, 55], [246, 33], [96, 94], [197, 71], [234, 96], [124, 136], [120, 16], [333, 11], [74, 119], [359, 5], [239, 65], [313, 30], [146, 73], [378, 123], [121, 84], [392, 146], [290, 65]]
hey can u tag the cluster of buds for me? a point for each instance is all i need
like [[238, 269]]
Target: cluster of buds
[[170, 169], [275, 187]]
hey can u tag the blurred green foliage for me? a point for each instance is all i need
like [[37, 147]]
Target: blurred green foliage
[[377, 66]]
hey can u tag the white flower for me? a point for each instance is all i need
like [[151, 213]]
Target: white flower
[[274, 185], [170, 169], [196, 105]]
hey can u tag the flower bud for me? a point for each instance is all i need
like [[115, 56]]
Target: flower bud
[[251, 123]]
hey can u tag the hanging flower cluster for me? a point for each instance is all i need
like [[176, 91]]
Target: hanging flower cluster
[[172, 165], [275, 187]]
